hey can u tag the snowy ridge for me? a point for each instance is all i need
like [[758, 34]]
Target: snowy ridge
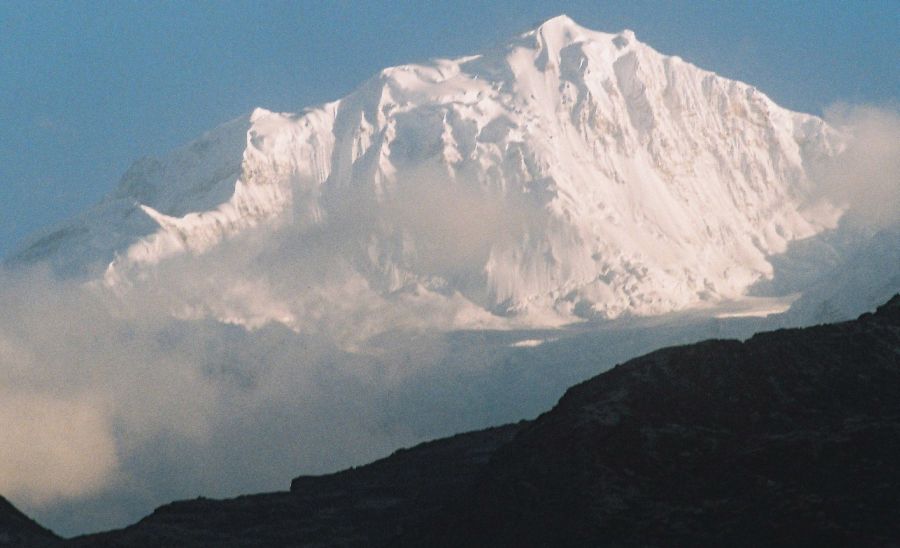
[[570, 174]]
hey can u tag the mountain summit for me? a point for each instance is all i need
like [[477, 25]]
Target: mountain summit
[[570, 174]]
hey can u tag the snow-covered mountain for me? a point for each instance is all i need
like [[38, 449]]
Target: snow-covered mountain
[[571, 173]]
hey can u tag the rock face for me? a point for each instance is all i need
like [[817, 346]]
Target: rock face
[[788, 438], [17, 529]]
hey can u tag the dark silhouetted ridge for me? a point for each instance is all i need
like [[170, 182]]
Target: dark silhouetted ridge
[[17, 529], [789, 438]]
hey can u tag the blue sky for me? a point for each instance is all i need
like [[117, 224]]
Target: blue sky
[[88, 87]]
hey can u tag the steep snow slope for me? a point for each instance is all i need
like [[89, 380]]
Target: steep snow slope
[[569, 174]]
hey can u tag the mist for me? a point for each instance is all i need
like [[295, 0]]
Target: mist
[[116, 397], [864, 177], [279, 352], [112, 405]]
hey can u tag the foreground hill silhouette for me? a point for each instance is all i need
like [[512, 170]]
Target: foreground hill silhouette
[[17, 529], [790, 437]]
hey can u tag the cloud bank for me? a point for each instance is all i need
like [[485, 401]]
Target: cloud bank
[[116, 400], [105, 395], [114, 406], [865, 176]]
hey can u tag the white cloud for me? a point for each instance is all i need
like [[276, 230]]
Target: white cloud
[[865, 175], [104, 394], [53, 447]]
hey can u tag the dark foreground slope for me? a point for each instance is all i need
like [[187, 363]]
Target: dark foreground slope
[[365, 506], [17, 529], [791, 437]]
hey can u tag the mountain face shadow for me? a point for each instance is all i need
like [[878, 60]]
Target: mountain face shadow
[[840, 273]]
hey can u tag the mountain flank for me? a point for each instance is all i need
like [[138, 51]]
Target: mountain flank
[[788, 438], [567, 174], [17, 529]]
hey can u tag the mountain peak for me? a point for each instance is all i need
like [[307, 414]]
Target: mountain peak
[[598, 168], [560, 31], [561, 21], [564, 30], [552, 37]]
